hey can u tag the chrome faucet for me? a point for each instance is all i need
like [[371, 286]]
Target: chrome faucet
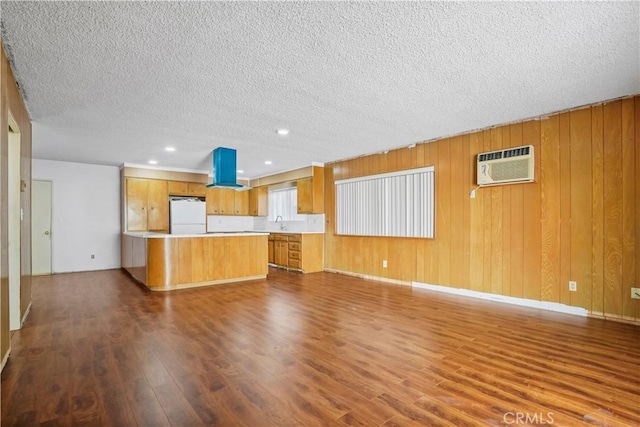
[[282, 225]]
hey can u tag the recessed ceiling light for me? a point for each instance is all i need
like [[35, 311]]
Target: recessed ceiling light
[[170, 149], [268, 162], [282, 131], [153, 162], [240, 171]]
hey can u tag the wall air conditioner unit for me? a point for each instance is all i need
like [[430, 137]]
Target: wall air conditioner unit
[[510, 166]]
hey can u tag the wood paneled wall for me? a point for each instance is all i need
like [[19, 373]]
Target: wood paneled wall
[[579, 221], [11, 102]]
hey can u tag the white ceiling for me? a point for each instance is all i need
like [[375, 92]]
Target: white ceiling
[[114, 82]]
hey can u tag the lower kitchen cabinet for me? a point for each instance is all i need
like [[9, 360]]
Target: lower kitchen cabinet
[[270, 251], [303, 252], [281, 253]]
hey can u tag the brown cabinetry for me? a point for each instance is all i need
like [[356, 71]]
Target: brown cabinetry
[[311, 192], [281, 250], [158, 214], [196, 189], [147, 204], [294, 251], [258, 199], [178, 188], [302, 252], [182, 188], [220, 201], [212, 196], [241, 203], [227, 201], [271, 250]]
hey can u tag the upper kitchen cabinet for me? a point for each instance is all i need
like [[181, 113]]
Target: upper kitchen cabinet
[[220, 201], [227, 201], [178, 188], [258, 199], [158, 214], [213, 201], [241, 203], [137, 193], [182, 188], [196, 189], [311, 193], [147, 205]]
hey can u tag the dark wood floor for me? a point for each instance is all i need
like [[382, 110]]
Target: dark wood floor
[[320, 349]]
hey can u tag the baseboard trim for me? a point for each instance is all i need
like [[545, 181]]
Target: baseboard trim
[[26, 313], [367, 277], [544, 305], [5, 359], [614, 318], [207, 283], [524, 302]]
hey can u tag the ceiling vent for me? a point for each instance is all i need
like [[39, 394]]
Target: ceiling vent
[[511, 166]]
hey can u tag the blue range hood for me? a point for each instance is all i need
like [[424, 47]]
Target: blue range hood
[[224, 168]]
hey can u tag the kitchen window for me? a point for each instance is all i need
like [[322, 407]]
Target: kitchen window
[[283, 202]]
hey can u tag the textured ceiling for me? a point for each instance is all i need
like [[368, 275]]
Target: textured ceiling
[[114, 82]]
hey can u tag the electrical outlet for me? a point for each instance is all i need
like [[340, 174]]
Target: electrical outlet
[[384, 263], [93, 256], [472, 194], [573, 286], [635, 293]]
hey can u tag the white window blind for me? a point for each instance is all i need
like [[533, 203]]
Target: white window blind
[[284, 202], [399, 204]]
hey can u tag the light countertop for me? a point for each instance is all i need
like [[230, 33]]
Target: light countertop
[[152, 235], [293, 232]]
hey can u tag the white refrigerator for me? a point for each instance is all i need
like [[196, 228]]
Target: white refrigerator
[[187, 216]]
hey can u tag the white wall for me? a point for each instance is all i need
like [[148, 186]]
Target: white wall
[[86, 214]]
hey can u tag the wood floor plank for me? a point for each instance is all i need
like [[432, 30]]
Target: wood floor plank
[[319, 349]]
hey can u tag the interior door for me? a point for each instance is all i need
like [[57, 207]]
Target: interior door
[[41, 227]]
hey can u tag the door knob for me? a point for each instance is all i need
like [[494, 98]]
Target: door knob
[[46, 233]]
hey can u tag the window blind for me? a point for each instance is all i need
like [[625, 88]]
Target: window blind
[[399, 204]]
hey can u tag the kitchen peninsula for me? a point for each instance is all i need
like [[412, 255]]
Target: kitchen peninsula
[[164, 262]]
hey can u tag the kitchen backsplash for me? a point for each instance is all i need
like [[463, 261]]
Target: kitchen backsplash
[[229, 223], [311, 223]]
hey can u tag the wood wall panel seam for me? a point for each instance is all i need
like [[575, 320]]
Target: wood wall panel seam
[[629, 245], [581, 206], [613, 209], [597, 166], [550, 211]]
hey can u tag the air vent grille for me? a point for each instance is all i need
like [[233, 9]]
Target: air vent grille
[[506, 166]]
